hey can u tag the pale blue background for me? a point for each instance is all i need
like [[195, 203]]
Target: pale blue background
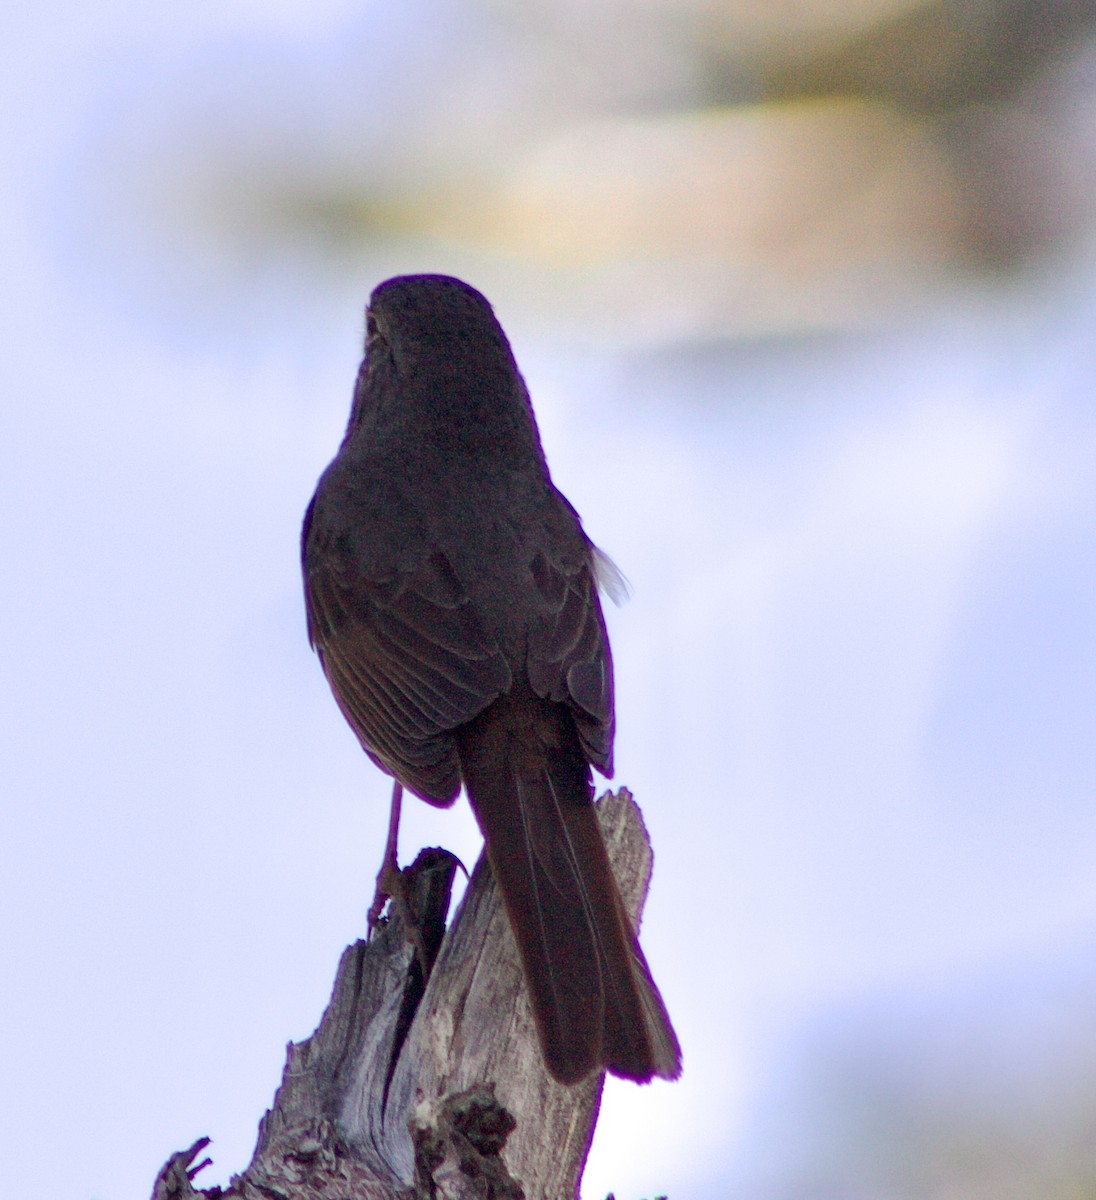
[[856, 676]]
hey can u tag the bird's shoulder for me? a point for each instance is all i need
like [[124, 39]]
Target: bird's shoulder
[[363, 525]]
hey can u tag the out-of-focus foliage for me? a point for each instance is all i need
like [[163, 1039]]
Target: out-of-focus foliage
[[644, 170]]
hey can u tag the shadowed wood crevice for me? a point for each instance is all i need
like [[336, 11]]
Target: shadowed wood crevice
[[436, 1093]]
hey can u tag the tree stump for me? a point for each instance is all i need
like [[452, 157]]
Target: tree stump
[[406, 1092]]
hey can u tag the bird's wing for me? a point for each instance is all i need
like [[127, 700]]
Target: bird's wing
[[568, 657], [406, 656]]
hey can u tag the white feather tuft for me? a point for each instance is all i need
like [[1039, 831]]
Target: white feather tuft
[[610, 578]]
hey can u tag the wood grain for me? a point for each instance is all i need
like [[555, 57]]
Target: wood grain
[[404, 1093]]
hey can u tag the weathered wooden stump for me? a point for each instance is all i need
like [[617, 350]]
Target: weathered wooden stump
[[436, 1093]]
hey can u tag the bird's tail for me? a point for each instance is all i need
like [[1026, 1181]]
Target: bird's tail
[[592, 994]]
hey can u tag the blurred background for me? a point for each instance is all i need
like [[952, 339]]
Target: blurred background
[[805, 295]]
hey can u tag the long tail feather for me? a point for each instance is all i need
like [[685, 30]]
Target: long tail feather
[[593, 997]]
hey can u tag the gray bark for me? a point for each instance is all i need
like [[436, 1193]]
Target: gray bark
[[406, 1094]]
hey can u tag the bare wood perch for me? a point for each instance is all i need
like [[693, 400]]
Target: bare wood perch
[[440, 1094]]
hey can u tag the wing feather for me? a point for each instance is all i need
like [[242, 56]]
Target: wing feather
[[406, 657], [568, 658]]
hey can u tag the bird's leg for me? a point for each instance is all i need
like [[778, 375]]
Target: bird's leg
[[388, 877], [391, 885]]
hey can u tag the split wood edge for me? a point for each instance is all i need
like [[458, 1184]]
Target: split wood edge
[[402, 1094]]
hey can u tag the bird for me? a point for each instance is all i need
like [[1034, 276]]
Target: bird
[[452, 599]]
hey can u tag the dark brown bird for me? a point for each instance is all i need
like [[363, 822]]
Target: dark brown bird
[[452, 600]]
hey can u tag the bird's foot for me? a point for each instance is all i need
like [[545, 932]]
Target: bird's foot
[[392, 886]]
